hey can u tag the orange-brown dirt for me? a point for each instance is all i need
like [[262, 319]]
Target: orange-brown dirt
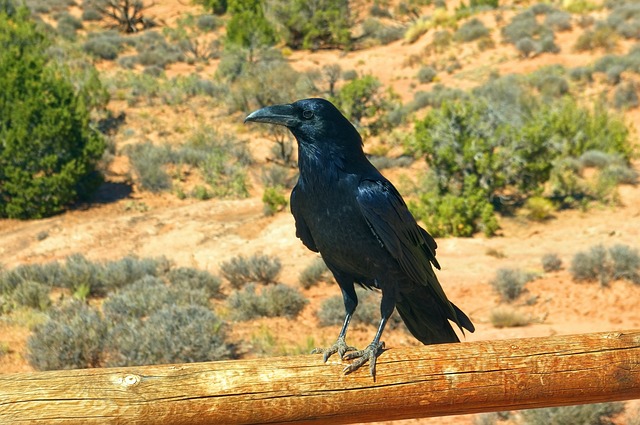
[[203, 234]]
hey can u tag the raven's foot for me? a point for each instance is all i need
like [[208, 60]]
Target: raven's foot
[[370, 353], [339, 347]]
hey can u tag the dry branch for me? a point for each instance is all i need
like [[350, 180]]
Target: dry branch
[[127, 15], [417, 382]]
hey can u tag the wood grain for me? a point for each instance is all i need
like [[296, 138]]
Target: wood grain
[[418, 382]]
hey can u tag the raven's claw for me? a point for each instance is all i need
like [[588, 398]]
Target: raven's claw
[[339, 347], [370, 353]]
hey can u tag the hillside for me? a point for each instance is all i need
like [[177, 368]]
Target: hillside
[[188, 225]]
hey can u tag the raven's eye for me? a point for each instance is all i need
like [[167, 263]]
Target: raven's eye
[[307, 114]]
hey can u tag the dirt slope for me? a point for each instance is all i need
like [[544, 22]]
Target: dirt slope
[[203, 234]]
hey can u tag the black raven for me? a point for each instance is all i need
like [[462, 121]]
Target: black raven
[[356, 219]]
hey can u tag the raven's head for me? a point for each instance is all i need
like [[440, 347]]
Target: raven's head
[[312, 121]]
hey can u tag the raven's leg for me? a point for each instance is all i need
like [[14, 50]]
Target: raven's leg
[[376, 347], [350, 303]]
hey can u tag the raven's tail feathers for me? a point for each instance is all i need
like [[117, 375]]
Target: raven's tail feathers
[[428, 321]]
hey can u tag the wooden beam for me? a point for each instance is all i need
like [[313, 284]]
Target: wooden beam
[[417, 382]]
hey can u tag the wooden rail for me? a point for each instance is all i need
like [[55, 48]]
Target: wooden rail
[[411, 383]]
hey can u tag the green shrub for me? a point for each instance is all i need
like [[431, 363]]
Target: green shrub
[[581, 7], [417, 29], [273, 200], [426, 74], [619, 173], [201, 193], [314, 273], [566, 181], [626, 263], [32, 294], [81, 276], [208, 23], [625, 96], [363, 103], [221, 160], [456, 214], [73, 337], [153, 50], [148, 161], [48, 275], [331, 312], [506, 144], [49, 152], [104, 45], [248, 26], [553, 86], [585, 21], [586, 414], [510, 283], [625, 19], [581, 73], [120, 273], [504, 317], [551, 263], [8, 7], [522, 25], [272, 301], [313, 25], [374, 29], [602, 37], [90, 11], [618, 63], [528, 35], [47, 6], [597, 159], [595, 265], [558, 20], [539, 208], [219, 7], [283, 301], [471, 30], [257, 268], [614, 74], [435, 97], [260, 78], [491, 4], [526, 46], [173, 334], [382, 162], [137, 300], [148, 295], [441, 40], [193, 279], [86, 277], [68, 26]]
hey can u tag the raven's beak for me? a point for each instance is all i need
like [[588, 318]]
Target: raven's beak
[[276, 114]]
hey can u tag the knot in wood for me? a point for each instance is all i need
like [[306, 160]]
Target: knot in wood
[[127, 380]]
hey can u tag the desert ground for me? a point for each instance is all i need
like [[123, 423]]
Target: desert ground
[[205, 233]]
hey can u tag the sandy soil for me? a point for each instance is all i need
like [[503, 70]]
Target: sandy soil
[[203, 234]]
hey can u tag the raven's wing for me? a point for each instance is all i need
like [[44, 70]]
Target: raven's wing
[[394, 226], [302, 230]]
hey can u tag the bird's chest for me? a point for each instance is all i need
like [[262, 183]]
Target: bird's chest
[[339, 230], [332, 213]]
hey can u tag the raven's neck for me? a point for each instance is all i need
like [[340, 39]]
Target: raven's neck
[[323, 166]]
